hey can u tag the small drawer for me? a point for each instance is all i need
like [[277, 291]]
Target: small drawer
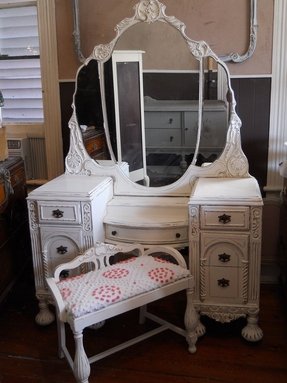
[[224, 218], [167, 138], [177, 235], [163, 120], [61, 212], [224, 284]]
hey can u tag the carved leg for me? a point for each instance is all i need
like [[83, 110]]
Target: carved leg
[[82, 366], [252, 332], [45, 316], [191, 322], [61, 338]]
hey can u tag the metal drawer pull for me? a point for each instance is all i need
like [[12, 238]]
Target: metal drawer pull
[[224, 218], [224, 257], [114, 232], [223, 282], [58, 213], [170, 121], [177, 235], [62, 249]]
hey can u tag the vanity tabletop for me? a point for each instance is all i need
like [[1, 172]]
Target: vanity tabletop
[[228, 191], [71, 186]]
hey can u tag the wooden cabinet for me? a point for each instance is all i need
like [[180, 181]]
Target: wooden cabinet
[[15, 250], [66, 218], [95, 144], [225, 245]]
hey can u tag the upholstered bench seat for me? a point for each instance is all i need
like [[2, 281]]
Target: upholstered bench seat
[[97, 289]]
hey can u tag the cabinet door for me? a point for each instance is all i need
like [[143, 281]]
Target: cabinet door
[[59, 245]]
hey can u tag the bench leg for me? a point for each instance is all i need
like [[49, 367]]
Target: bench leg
[[82, 366], [191, 319], [61, 338]]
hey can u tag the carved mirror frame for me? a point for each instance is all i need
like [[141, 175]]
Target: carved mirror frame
[[231, 163]]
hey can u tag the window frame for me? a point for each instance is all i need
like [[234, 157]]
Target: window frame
[[51, 126]]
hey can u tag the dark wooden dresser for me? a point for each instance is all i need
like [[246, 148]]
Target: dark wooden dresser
[[95, 144], [15, 249]]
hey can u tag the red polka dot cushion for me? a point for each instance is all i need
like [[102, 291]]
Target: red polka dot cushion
[[95, 290]]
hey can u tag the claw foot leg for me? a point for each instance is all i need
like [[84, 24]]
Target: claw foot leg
[[252, 332], [45, 316]]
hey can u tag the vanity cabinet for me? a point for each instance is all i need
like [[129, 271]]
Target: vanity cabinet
[[66, 218], [225, 250]]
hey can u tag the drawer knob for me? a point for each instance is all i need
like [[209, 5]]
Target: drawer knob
[[224, 257], [224, 218], [58, 213], [114, 232], [62, 249], [170, 121], [177, 235], [223, 282]]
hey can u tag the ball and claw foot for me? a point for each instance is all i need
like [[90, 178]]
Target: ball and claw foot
[[252, 332], [45, 316], [200, 329]]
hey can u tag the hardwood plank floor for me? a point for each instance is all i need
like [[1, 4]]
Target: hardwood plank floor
[[28, 352]]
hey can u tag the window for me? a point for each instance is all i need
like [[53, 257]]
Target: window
[[20, 71]]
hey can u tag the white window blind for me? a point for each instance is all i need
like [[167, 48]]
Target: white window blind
[[20, 72]]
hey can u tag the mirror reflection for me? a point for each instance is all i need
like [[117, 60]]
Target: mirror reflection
[[164, 113]]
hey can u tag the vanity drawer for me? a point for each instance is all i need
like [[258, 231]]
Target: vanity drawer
[[224, 284], [224, 217], [59, 213], [159, 236]]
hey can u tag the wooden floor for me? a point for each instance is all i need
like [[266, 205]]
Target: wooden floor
[[28, 353]]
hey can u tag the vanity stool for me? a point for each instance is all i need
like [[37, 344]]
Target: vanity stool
[[124, 277]]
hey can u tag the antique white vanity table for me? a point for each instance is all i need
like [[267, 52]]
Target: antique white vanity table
[[213, 208]]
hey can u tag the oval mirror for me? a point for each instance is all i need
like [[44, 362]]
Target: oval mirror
[[152, 100], [165, 104]]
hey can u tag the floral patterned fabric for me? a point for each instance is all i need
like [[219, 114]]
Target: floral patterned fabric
[[95, 290]]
